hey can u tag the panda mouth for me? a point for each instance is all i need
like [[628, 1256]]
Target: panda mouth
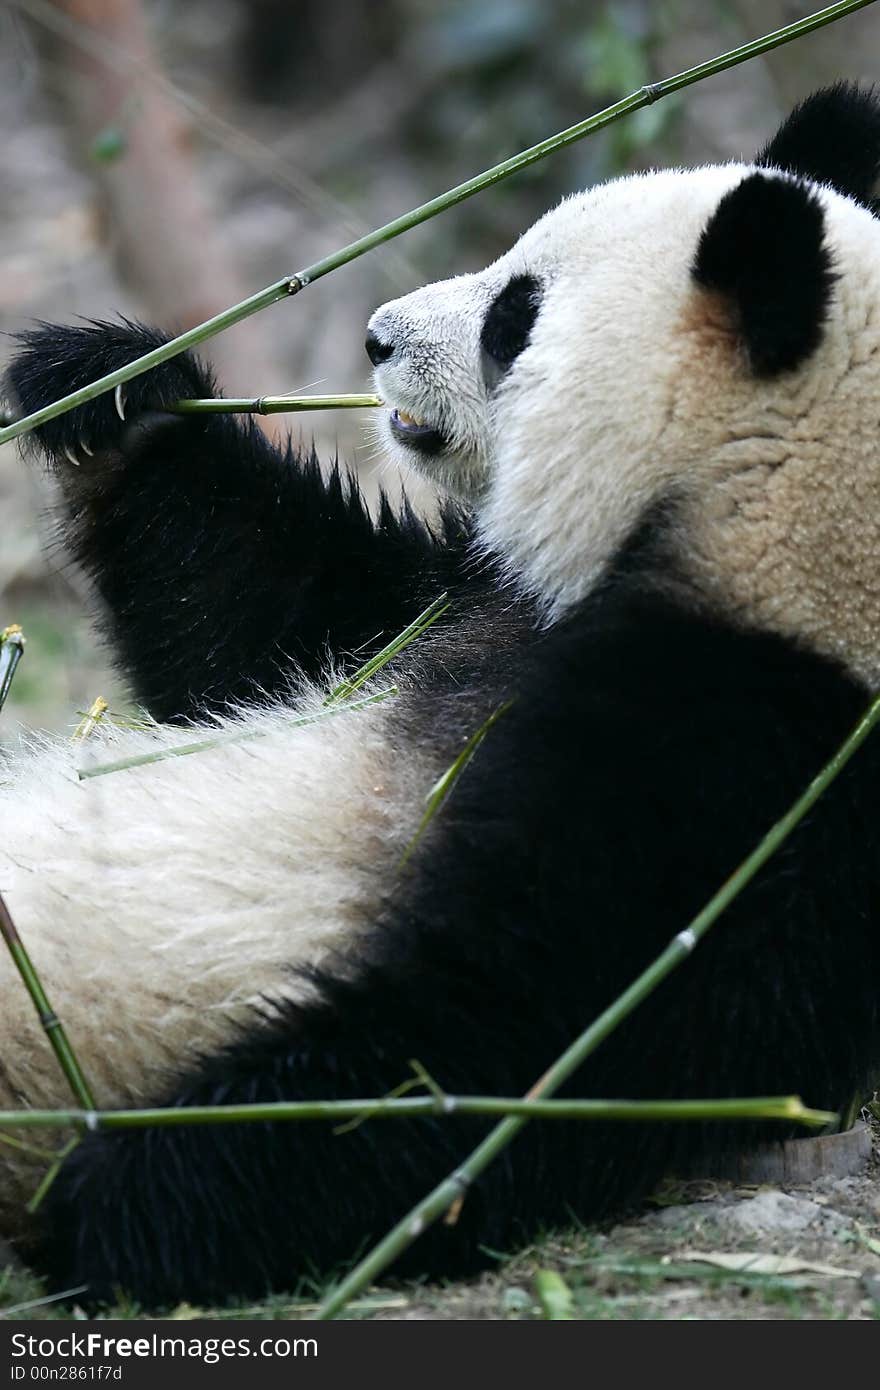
[[415, 433]]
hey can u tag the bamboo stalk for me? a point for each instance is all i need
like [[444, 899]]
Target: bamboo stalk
[[452, 1189], [191, 338], [292, 284], [12, 642], [789, 1108], [272, 405], [51, 1023], [204, 745]]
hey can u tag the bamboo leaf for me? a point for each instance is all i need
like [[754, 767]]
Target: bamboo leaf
[[447, 780], [371, 668]]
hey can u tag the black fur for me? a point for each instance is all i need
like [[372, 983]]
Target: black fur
[[224, 564], [763, 249], [509, 321], [833, 137], [646, 750]]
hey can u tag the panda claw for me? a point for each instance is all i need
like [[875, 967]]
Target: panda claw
[[85, 448], [71, 456], [119, 401]]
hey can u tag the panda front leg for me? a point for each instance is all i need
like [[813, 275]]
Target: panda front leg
[[223, 563]]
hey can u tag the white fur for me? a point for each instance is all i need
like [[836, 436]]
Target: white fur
[[160, 904], [633, 385]]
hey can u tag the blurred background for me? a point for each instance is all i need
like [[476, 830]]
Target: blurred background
[[165, 158]]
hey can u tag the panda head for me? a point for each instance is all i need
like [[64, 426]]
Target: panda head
[[699, 346]]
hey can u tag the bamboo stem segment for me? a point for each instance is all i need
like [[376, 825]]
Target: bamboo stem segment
[[292, 284], [789, 1108], [51, 1023], [273, 405]]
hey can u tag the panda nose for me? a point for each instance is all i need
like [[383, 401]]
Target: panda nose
[[377, 351]]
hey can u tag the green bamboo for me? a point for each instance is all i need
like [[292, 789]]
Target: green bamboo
[[447, 780], [644, 96], [336, 702], [348, 687], [554, 1295], [789, 1108], [90, 720], [204, 745], [48, 1178], [453, 1188], [292, 284], [51, 1023], [192, 338], [12, 642], [272, 405]]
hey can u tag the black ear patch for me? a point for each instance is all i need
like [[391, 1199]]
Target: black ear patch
[[764, 250], [509, 320], [833, 137]]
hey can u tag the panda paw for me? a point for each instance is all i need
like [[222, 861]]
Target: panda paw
[[55, 359]]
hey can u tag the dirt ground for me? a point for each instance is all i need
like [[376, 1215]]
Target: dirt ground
[[704, 1251]]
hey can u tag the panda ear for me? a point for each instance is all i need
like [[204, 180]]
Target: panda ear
[[763, 250], [833, 137]]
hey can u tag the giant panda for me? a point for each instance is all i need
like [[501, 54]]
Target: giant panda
[[655, 421]]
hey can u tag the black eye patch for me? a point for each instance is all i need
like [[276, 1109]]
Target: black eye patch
[[509, 321]]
